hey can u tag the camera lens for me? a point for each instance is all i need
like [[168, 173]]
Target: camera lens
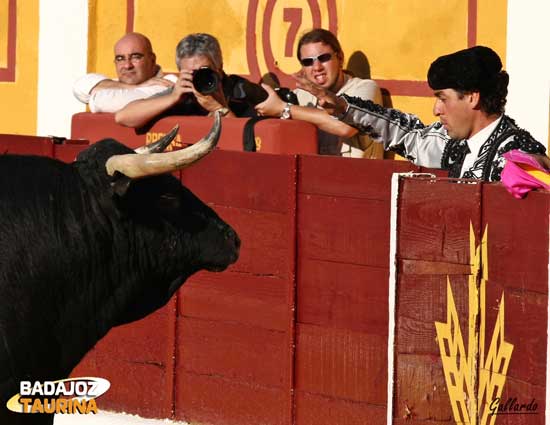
[[206, 80]]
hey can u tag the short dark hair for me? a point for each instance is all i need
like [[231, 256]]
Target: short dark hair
[[320, 35], [477, 68]]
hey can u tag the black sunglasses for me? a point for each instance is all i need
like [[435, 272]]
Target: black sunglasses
[[325, 57]]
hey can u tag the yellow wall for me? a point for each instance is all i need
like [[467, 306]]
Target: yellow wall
[[398, 39], [19, 98]]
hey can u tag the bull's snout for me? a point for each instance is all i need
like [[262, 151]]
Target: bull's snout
[[233, 239]]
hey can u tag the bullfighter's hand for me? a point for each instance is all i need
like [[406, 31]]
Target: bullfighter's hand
[[328, 100], [271, 107]]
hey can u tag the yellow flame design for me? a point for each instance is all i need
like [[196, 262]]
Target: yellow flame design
[[473, 379]]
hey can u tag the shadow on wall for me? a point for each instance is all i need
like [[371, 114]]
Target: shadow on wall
[[359, 66]]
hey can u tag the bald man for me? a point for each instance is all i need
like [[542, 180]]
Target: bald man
[[139, 77]]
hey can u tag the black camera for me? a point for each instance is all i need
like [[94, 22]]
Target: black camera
[[244, 90], [206, 80]]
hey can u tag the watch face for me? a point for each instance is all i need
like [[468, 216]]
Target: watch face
[[286, 112]]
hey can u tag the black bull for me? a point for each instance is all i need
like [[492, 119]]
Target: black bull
[[82, 251]]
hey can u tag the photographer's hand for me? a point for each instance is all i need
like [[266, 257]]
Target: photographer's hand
[[271, 107]]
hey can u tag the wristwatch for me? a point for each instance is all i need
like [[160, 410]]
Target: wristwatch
[[286, 112]]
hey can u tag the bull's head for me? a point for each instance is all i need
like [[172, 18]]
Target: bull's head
[[175, 233]]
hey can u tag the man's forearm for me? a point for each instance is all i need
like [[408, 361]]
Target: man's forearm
[[140, 112]]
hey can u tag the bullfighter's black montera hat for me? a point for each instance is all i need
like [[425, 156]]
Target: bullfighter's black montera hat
[[473, 69]]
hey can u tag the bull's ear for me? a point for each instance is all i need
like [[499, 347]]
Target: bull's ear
[[120, 184]]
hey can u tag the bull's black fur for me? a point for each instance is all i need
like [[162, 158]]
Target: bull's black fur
[[77, 259]]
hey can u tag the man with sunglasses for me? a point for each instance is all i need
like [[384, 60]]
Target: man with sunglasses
[[139, 77], [322, 60]]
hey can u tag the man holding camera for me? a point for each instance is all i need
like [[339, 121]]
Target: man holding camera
[[202, 87]]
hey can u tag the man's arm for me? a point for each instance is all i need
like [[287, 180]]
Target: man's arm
[[106, 95], [273, 107], [140, 112], [399, 132]]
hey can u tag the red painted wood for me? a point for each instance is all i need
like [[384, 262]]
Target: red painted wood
[[138, 360], [346, 296], [68, 151], [276, 136], [245, 180], [248, 334], [329, 227], [434, 220], [518, 268], [518, 236], [214, 400], [237, 297], [421, 388], [365, 178], [422, 302], [26, 145], [313, 409], [233, 351], [341, 364]]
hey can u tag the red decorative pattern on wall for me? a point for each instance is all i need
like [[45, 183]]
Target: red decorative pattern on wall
[[130, 10], [394, 87], [8, 73]]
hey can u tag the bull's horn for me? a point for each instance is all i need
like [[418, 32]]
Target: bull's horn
[[161, 144], [137, 166]]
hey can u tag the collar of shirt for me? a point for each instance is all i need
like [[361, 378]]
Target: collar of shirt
[[475, 142]]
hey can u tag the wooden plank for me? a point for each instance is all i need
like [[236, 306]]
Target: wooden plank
[[341, 364], [329, 228], [233, 351], [517, 392], [420, 387], [518, 238], [348, 177], [434, 220], [525, 324], [214, 400], [238, 297], [421, 301], [245, 180], [26, 145], [267, 242], [339, 295], [313, 409], [68, 152], [137, 359]]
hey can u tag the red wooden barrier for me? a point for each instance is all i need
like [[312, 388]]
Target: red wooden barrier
[[272, 135], [343, 251], [26, 145], [296, 332], [448, 297], [60, 148], [235, 330]]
